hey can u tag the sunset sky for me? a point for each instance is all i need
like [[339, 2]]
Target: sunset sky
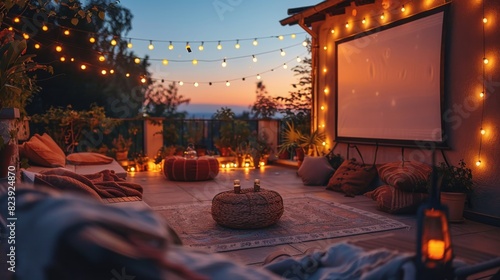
[[209, 22]]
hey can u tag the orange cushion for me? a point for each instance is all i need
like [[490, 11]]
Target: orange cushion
[[352, 178], [395, 201], [410, 176], [39, 153], [53, 146], [85, 158]]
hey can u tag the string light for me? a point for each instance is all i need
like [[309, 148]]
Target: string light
[[111, 71], [37, 46], [282, 52], [165, 62], [45, 28], [485, 60], [92, 40], [195, 61], [127, 75], [224, 63], [129, 45], [113, 42], [485, 20], [181, 83], [299, 59], [188, 47], [143, 80], [285, 66], [17, 20], [258, 76], [102, 58], [363, 21], [62, 59], [196, 84], [151, 46], [293, 36], [403, 9], [347, 24], [255, 42], [26, 36], [254, 58], [66, 32], [200, 47], [483, 132], [237, 45], [58, 49], [219, 46], [137, 60], [104, 72], [170, 46], [228, 83], [481, 94], [83, 66], [332, 31], [304, 43], [382, 16], [281, 37], [478, 163]]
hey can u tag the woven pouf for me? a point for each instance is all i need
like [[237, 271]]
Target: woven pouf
[[177, 168], [247, 209]]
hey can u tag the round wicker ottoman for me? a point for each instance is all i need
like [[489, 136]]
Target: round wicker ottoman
[[247, 209], [203, 168]]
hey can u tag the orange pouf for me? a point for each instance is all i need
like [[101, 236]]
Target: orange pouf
[[177, 168]]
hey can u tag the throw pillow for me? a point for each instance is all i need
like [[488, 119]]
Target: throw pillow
[[410, 176], [86, 158], [352, 178], [39, 153], [315, 171], [53, 146], [395, 201]]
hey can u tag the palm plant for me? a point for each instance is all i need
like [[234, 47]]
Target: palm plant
[[311, 143], [291, 138]]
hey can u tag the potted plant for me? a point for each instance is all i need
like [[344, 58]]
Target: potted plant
[[311, 143], [121, 145], [225, 116], [290, 139], [456, 188]]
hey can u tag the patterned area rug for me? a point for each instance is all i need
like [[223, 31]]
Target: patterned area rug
[[304, 219]]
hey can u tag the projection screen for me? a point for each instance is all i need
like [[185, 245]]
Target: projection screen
[[389, 83]]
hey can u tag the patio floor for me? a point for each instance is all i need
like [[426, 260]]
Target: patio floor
[[473, 242]]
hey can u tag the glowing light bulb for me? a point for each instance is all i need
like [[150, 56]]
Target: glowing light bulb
[[304, 43], [332, 31], [66, 32], [258, 77], [170, 46], [151, 46], [219, 46], [478, 163], [324, 70], [255, 42], [72, 59], [201, 47], [62, 59], [17, 20], [92, 40], [485, 20], [346, 25], [113, 42], [285, 66], [382, 16], [325, 48], [143, 80], [485, 60], [228, 83], [181, 83], [224, 64], [326, 90], [10, 28], [104, 72], [165, 62], [37, 46], [322, 107], [45, 28], [58, 49], [483, 132], [293, 36], [102, 58], [137, 60], [195, 61], [299, 59], [196, 84], [127, 75], [481, 94], [129, 45], [363, 21], [254, 59], [403, 9], [281, 37], [282, 52], [237, 44], [323, 143], [111, 71], [26, 36], [83, 66]]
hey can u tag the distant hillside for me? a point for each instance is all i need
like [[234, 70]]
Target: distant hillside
[[207, 110]]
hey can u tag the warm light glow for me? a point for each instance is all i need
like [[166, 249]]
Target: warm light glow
[[228, 83], [481, 94], [255, 42], [326, 90], [323, 143], [382, 16], [403, 9], [247, 164], [332, 31], [324, 70], [322, 107], [151, 46], [102, 58], [223, 165], [196, 84], [92, 40], [201, 47], [113, 42], [26, 36], [299, 59], [37, 46], [165, 62], [254, 59], [478, 163], [485, 20], [224, 63], [363, 21], [104, 72], [10, 28], [137, 60], [237, 45], [346, 25], [62, 59], [323, 126], [45, 28], [111, 71], [170, 46], [127, 75], [258, 77], [281, 37], [219, 46], [66, 32], [293, 36], [483, 132], [143, 80], [16, 20], [195, 61], [181, 83], [435, 249], [485, 60], [304, 43], [282, 52], [83, 66], [132, 169], [129, 44], [285, 66], [72, 59], [58, 49]]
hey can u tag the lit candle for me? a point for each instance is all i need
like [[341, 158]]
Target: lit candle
[[435, 249]]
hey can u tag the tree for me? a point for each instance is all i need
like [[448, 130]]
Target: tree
[[164, 102], [265, 106]]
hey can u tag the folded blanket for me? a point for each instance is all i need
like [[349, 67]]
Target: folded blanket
[[103, 184]]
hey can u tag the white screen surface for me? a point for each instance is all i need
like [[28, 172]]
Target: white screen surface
[[388, 83]]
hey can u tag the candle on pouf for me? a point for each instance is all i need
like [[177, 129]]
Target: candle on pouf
[[237, 186]]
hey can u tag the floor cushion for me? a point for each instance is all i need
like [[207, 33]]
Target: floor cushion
[[396, 201], [315, 171], [352, 178], [410, 176], [203, 168]]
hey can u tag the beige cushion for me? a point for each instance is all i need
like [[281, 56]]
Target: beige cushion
[[86, 158], [352, 178], [410, 176], [315, 171], [39, 153]]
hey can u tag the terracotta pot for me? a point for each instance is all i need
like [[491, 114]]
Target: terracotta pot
[[121, 155], [455, 203]]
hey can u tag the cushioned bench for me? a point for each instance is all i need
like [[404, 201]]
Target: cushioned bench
[[203, 168]]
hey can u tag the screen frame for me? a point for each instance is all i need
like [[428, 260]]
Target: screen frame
[[442, 72]]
